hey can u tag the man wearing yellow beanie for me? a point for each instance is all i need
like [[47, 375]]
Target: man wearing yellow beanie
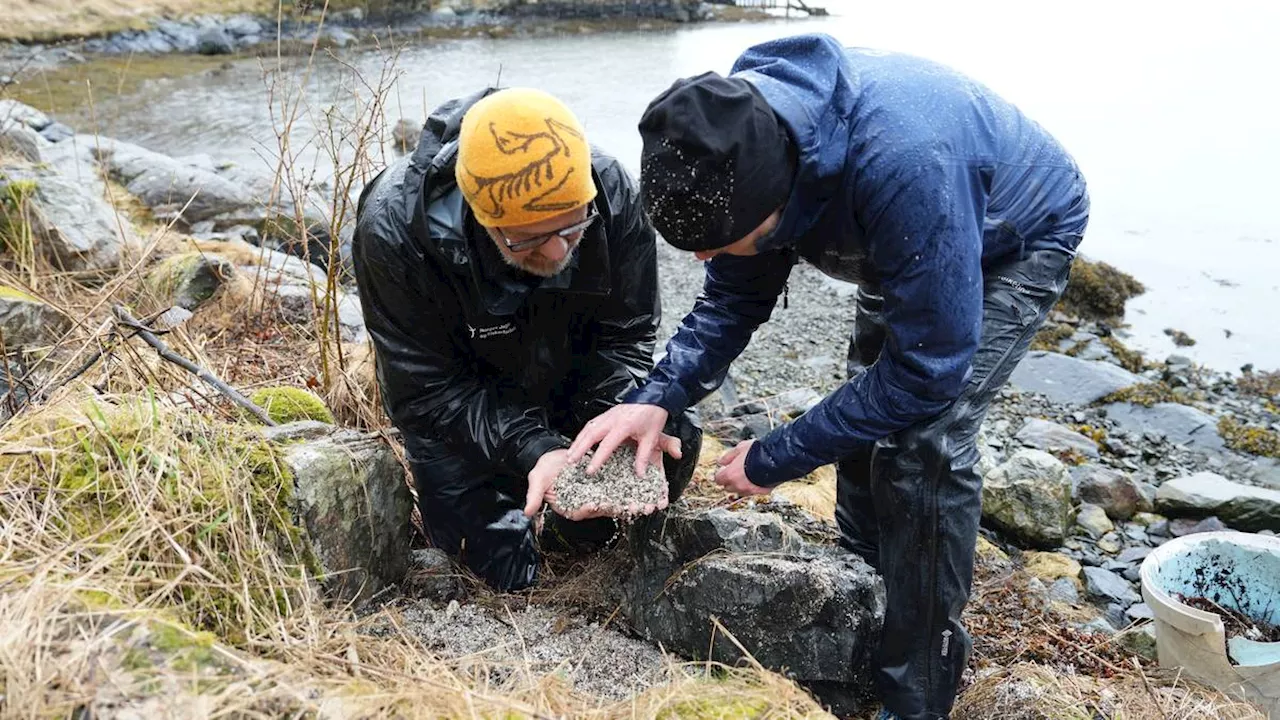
[[508, 276]]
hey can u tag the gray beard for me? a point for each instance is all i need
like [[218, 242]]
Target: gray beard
[[540, 272]]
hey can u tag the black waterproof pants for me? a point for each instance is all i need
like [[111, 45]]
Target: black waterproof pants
[[910, 504], [476, 513]]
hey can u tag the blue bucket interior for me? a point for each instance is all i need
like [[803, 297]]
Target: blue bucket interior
[[1234, 576]]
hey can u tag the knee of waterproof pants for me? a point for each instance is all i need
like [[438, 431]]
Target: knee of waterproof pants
[[476, 516]]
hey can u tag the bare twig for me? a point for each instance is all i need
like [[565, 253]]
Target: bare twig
[[129, 321]]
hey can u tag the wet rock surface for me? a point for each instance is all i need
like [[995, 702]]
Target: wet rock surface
[[809, 608]]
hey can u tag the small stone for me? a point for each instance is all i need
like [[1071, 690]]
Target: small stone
[[1097, 626], [1115, 616], [1106, 584], [1140, 641], [28, 322], [1183, 526], [1109, 543], [1159, 528], [1054, 438], [1094, 520], [1134, 554], [1136, 533], [1141, 611], [57, 132], [1147, 519], [1064, 590], [1115, 492], [1133, 574], [1050, 566]]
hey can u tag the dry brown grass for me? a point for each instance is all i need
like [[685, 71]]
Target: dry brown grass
[[1026, 691]]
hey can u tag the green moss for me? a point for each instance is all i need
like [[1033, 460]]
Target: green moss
[[1144, 394], [67, 90], [1097, 290], [1248, 438], [717, 708], [290, 404], [1071, 457]]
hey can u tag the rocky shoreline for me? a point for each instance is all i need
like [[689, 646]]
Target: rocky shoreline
[[215, 35]]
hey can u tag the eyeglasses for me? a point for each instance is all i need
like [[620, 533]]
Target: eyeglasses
[[564, 233]]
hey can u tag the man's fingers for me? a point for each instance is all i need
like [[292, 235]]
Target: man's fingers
[[585, 440], [604, 450], [644, 452], [533, 499], [670, 445]]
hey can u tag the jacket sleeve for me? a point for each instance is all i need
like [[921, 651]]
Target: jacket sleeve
[[925, 238], [737, 296], [624, 330], [430, 388]]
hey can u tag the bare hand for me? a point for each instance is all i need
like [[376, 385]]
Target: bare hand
[[732, 475], [542, 480], [618, 424]]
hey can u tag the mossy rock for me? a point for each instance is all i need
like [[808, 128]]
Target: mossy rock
[[191, 279], [290, 404], [27, 321], [1097, 290]]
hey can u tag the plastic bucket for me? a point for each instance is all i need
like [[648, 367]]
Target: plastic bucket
[[1236, 570]]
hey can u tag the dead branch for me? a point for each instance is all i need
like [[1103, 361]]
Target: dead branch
[[129, 321]]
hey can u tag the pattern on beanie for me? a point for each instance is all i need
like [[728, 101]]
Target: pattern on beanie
[[531, 177]]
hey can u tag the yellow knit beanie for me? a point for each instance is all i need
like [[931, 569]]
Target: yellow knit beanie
[[522, 158]]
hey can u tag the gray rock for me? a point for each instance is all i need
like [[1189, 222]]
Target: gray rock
[[57, 132], [76, 229], [1141, 611], [242, 25], [1094, 520], [1097, 626], [1069, 380], [1063, 590], [405, 135], [171, 188], [351, 498], [1115, 616], [1184, 526], [1029, 496], [1179, 424], [1133, 554], [1133, 574], [27, 322], [1054, 438], [1241, 506], [1140, 641], [191, 279], [432, 575], [1106, 584], [1109, 543], [215, 41], [815, 611], [18, 139], [1159, 528], [25, 114], [1115, 492]]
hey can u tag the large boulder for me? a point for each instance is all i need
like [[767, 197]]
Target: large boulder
[[172, 188], [1029, 497], [74, 228], [1206, 494], [796, 605], [351, 498], [28, 322], [12, 110], [1115, 492], [1180, 424], [1071, 381]]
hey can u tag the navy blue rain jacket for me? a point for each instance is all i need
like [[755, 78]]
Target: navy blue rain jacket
[[912, 179]]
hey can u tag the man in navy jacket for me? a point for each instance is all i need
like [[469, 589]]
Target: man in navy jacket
[[957, 216]]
